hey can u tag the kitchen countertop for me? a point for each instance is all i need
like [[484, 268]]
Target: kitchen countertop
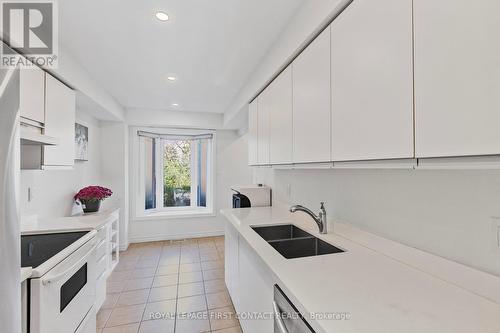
[[385, 286], [25, 273], [35, 225]]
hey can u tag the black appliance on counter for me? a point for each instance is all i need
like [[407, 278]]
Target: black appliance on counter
[[251, 196]]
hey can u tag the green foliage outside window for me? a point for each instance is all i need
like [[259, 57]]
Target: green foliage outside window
[[177, 173]]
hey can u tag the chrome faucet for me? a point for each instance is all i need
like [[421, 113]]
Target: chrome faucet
[[320, 219]]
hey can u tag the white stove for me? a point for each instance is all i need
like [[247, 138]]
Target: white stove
[[61, 291]]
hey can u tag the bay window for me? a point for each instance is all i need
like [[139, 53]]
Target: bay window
[[176, 171]]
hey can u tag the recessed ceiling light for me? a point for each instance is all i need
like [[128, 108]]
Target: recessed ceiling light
[[171, 78], [162, 16], [175, 104]]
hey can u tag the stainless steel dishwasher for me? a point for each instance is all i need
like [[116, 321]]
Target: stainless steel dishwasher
[[287, 319]]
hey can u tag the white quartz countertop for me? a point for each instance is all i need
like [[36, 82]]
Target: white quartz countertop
[[385, 286], [25, 273], [34, 225]]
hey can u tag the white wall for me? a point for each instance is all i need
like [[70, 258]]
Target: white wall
[[71, 72], [148, 117], [302, 27], [53, 190], [231, 169], [444, 212], [114, 171]]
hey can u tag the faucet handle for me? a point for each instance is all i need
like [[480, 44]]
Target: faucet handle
[[322, 205]]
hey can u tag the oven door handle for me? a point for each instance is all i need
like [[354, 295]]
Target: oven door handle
[[278, 319], [54, 278]]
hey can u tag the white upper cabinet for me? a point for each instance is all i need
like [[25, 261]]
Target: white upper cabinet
[[32, 94], [278, 103], [253, 125], [262, 130], [311, 102], [59, 123], [457, 71], [372, 81]]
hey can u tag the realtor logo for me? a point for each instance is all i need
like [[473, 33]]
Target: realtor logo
[[29, 27]]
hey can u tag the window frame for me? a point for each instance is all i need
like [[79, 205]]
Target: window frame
[[138, 154]]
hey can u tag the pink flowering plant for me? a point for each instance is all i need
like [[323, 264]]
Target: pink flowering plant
[[93, 194]]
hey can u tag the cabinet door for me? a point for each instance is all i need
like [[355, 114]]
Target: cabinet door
[[231, 266], [256, 290], [311, 102], [457, 70], [32, 94], [59, 123], [253, 126], [279, 102], [263, 129], [372, 81]]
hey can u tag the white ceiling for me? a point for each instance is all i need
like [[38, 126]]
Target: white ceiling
[[212, 47]]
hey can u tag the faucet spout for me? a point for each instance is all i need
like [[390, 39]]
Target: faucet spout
[[320, 219]]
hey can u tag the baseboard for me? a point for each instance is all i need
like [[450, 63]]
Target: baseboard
[[166, 237], [123, 247]]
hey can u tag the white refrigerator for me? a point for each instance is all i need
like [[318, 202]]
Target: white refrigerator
[[10, 248]]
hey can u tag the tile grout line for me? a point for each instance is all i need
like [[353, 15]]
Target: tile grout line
[[149, 294], [146, 254], [178, 282], [204, 290]]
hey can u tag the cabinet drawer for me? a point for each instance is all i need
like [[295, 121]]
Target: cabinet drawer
[[102, 233], [101, 248], [102, 264], [100, 288]]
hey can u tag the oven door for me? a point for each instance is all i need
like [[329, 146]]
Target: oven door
[[61, 299]]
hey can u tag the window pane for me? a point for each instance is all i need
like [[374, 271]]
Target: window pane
[[150, 179], [202, 169], [177, 173]]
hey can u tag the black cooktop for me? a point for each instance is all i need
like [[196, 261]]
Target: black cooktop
[[37, 249]]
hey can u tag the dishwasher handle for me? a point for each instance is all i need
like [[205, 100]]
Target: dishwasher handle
[[278, 319]]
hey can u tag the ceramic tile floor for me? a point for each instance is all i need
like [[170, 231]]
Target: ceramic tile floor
[[171, 286]]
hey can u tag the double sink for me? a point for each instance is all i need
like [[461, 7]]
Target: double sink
[[292, 242]]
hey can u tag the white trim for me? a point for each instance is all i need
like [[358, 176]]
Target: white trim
[[159, 166], [176, 214], [167, 237], [138, 195], [123, 247]]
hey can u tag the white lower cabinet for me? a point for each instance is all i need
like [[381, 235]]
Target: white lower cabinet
[[107, 255], [231, 262], [250, 284]]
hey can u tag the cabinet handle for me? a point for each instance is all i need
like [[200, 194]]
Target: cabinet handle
[[278, 319]]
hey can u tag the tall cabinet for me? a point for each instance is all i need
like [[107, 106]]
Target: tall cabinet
[[311, 102], [372, 81], [457, 71]]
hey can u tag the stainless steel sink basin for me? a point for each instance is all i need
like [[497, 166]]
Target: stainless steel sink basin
[[293, 242], [279, 232]]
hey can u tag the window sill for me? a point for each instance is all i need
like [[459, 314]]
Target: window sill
[[162, 215]]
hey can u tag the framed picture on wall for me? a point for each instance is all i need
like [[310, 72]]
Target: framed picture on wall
[[81, 142]]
